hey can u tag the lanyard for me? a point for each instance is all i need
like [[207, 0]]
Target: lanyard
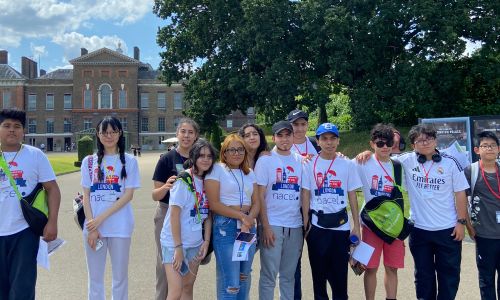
[[298, 150], [426, 173], [199, 196], [240, 189], [389, 177], [487, 183], [326, 173]]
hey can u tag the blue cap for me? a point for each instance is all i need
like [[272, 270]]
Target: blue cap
[[327, 127]]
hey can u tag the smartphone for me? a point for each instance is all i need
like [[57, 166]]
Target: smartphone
[[246, 237], [184, 269], [98, 244]]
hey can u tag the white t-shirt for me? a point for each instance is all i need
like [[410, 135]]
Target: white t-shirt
[[282, 176], [375, 181], [235, 186], [432, 198], [191, 223], [28, 168], [104, 194], [329, 186], [305, 148]]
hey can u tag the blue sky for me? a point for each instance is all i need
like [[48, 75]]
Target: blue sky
[[53, 31]]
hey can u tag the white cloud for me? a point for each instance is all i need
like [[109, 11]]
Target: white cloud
[[21, 19], [72, 42], [38, 51]]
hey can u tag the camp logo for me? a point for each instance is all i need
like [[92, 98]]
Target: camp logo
[[379, 186], [286, 179], [326, 184]]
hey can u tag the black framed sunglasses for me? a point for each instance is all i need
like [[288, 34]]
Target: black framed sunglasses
[[380, 144]]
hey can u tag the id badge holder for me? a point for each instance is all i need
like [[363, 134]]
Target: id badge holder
[[498, 216]]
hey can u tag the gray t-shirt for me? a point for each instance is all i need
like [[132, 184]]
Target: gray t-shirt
[[488, 204]]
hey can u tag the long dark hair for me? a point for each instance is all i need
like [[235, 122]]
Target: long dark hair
[[262, 138], [195, 153], [103, 126]]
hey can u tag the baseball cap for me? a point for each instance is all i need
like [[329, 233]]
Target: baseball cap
[[297, 114], [280, 125], [327, 127]]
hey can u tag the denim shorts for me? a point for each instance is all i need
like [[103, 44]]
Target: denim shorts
[[167, 254]]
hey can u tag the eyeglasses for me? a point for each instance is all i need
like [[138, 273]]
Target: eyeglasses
[[380, 144], [109, 133], [425, 141], [234, 151], [488, 147]]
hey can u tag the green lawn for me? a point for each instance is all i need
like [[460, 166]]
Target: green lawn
[[63, 162]]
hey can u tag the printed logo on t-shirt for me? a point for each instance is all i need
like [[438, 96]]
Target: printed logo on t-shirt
[[203, 206], [428, 182], [286, 179], [17, 175], [379, 186], [110, 185], [327, 184]]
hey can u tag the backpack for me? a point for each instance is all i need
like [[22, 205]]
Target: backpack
[[384, 215]]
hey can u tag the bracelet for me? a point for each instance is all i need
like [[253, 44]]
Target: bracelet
[[178, 246]]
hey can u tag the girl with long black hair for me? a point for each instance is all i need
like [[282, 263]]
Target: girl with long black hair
[[109, 222]]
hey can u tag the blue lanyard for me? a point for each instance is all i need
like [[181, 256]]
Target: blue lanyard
[[240, 190]]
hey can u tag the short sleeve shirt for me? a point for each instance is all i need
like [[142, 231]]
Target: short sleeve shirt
[[431, 189], [282, 177], [191, 216], [236, 187], [169, 164], [28, 167], [329, 184], [104, 194]]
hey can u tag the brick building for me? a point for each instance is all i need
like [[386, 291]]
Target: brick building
[[63, 103]]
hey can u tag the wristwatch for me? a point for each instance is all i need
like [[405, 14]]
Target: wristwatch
[[462, 221]]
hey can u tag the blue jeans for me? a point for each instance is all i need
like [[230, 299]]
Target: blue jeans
[[233, 277]]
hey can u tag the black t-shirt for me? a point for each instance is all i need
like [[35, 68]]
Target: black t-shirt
[[169, 164]]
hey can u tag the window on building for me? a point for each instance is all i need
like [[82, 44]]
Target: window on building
[[160, 138], [31, 125], [87, 73], [176, 122], [87, 124], [161, 124], [87, 99], [31, 102], [68, 101], [32, 142], [105, 96], [124, 124], [250, 111], [145, 124], [178, 100], [105, 73], [122, 73], [122, 102], [144, 100], [162, 100], [229, 123], [49, 102], [67, 125], [50, 125], [7, 99]]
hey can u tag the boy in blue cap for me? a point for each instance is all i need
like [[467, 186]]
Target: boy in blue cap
[[329, 182]]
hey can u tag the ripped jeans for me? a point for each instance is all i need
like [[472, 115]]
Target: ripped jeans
[[233, 277]]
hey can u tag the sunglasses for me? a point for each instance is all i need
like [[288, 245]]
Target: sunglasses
[[380, 144]]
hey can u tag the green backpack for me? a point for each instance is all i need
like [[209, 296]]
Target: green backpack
[[384, 215]]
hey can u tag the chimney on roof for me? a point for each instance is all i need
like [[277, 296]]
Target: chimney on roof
[[4, 57], [137, 53], [29, 68], [42, 72], [83, 51]]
